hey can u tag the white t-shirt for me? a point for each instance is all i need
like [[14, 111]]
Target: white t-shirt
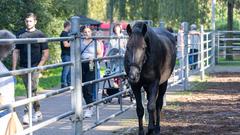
[[6, 86]]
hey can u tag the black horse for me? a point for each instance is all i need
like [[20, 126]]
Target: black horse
[[149, 61]]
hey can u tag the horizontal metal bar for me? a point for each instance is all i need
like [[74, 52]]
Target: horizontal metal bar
[[46, 123], [103, 79], [207, 58], [35, 98], [206, 67], [207, 33], [209, 41], [206, 50], [28, 70], [226, 46], [104, 58], [193, 54], [109, 117], [226, 54], [106, 98], [229, 39], [34, 40], [104, 37], [175, 83], [227, 31]]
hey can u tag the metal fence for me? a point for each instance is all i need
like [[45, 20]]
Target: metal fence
[[180, 75], [228, 47]]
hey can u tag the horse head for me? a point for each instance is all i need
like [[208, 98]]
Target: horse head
[[135, 55]]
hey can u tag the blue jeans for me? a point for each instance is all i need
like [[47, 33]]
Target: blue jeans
[[66, 72], [193, 58]]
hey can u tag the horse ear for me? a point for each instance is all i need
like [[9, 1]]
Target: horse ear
[[144, 29], [129, 30]]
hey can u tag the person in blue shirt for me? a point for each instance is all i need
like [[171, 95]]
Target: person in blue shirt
[[65, 55]]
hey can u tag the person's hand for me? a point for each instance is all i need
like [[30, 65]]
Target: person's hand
[[40, 67]]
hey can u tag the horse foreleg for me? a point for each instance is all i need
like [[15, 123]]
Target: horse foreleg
[[159, 104], [151, 106], [139, 109]]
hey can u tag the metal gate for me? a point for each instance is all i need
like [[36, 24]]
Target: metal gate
[[206, 54], [228, 44]]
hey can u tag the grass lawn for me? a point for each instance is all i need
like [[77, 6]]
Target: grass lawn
[[50, 79], [224, 62]]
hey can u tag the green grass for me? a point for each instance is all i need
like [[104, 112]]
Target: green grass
[[224, 62], [50, 79]]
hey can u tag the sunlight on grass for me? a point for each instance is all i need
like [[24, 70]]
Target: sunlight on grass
[[50, 79]]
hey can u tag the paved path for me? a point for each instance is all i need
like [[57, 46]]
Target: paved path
[[62, 103]]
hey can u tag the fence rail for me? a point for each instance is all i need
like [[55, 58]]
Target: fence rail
[[228, 47]]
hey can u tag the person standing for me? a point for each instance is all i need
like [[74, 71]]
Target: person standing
[[194, 41], [39, 56], [88, 68], [8, 120], [120, 45], [115, 43], [65, 55]]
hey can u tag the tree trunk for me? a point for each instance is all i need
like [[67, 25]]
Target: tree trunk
[[230, 5]]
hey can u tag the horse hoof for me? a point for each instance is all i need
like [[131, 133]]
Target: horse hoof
[[150, 132], [141, 132], [157, 130]]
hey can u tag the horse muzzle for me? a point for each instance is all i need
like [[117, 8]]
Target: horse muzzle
[[134, 75]]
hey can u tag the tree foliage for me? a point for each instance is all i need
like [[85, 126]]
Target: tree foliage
[[52, 13]]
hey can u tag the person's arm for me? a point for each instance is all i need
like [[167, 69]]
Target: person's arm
[[44, 57], [99, 49], [15, 58], [66, 44]]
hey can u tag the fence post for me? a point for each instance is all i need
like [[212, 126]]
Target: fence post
[[29, 88], [217, 48], [207, 47], [76, 76], [213, 46], [202, 53], [186, 63]]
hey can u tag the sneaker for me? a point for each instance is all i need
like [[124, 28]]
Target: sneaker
[[25, 119], [88, 113], [37, 116]]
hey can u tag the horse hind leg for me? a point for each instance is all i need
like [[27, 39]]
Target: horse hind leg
[[139, 109], [159, 104]]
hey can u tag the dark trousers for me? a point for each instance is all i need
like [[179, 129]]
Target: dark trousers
[[88, 75], [34, 80], [193, 58], [66, 72]]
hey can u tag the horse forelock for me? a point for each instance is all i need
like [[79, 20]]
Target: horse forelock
[[135, 37]]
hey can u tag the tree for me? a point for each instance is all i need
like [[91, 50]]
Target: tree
[[230, 5]]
